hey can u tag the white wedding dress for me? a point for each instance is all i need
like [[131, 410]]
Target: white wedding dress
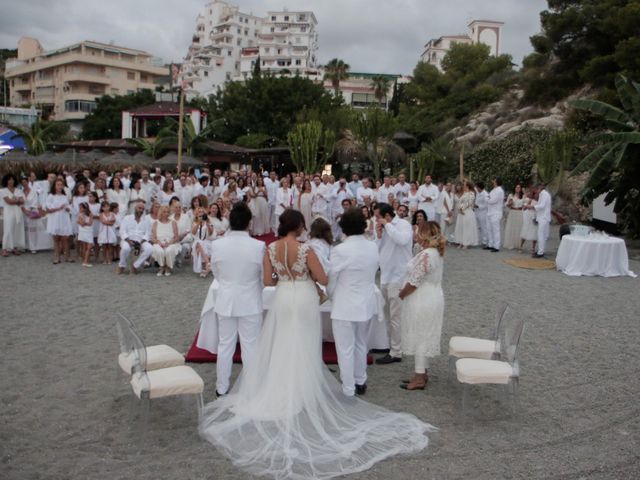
[[286, 417]]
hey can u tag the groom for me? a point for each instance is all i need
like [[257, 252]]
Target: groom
[[236, 262], [352, 276]]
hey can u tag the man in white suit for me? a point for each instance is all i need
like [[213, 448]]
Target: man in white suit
[[495, 209], [543, 217], [236, 262], [352, 278]]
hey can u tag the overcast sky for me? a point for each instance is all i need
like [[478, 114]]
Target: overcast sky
[[382, 36]]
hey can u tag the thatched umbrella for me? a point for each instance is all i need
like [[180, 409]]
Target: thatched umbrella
[[96, 155], [119, 158], [142, 159], [71, 158], [348, 149], [170, 160], [17, 156], [407, 141]]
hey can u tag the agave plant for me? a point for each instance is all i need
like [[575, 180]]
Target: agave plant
[[614, 163]]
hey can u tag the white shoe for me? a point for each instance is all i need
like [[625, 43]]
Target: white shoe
[[159, 274], [167, 273]]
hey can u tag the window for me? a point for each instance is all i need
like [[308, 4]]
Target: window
[[239, 30], [273, 18], [130, 92], [298, 40], [303, 29], [267, 50], [272, 29], [115, 91], [298, 62], [79, 106], [206, 74], [144, 78], [228, 76], [286, 18], [228, 53], [131, 75], [279, 51], [239, 41], [246, 32]]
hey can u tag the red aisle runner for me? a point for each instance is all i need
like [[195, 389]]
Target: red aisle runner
[[198, 355]]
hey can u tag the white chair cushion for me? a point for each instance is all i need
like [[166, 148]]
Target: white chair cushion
[[477, 370], [158, 356], [167, 382], [469, 347]]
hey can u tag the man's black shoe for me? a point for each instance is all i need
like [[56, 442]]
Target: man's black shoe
[[361, 389], [388, 359]]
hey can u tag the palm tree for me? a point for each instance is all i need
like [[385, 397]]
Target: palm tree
[[614, 165], [336, 71], [149, 147], [191, 140], [36, 136], [380, 85]]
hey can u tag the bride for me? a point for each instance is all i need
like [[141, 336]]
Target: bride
[[286, 416]]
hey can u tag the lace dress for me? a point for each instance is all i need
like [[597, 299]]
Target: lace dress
[[286, 416], [422, 311], [466, 232], [513, 226]]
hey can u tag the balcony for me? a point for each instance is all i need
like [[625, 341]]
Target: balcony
[[22, 87], [87, 77]]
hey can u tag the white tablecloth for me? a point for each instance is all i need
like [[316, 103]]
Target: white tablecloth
[[208, 333], [595, 254]]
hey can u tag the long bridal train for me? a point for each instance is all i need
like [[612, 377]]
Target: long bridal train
[[286, 416]]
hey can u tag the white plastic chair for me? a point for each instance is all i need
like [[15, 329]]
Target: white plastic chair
[[479, 371], [165, 382], [471, 347], [157, 356]]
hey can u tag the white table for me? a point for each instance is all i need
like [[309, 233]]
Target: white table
[[208, 333], [593, 255]]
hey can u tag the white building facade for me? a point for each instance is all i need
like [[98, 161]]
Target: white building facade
[[488, 32], [227, 44], [222, 31]]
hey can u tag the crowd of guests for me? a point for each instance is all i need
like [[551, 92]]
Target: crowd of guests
[[168, 221]]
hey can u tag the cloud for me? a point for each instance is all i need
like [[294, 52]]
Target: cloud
[[370, 35]]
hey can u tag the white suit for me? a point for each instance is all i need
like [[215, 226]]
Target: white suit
[[494, 216], [482, 198], [543, 217], [352, 277], [139, 232], [426, 192], [236, 262]]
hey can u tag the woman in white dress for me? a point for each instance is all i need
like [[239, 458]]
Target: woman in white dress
[[167, 192], [117, 194], [446, 207], [413, 198], [291, 420], [321, 239], [35, 221], [219, 222], [136, 193], [165, 240], [13, 222], [466, 232], [305, 203], [423, 304], [203, 233], [260, 208], [513, 226], [59, 220], [419, 218], [529, 232], [450, 231]]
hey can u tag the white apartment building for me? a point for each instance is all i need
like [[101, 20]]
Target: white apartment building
[[64, 83], [488, 32], [222, 31], [227, 44]]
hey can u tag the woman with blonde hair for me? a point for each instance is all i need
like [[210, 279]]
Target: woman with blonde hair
[[423, 304], [165, 240]]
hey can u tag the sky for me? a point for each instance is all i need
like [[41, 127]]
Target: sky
[[370, 35]]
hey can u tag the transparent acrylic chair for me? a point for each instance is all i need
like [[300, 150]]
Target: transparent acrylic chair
[[471, 347], [161, 383], [158, 356], [479, 371]]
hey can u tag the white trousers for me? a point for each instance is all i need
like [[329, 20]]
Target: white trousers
[[393, 310], [273, 218], [228, 329], [543, 235], [421, 364], [351, 346], [166, 256], [493, 231], [146, 249], [481, 218]]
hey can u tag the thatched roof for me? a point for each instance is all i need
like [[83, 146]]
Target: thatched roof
[[170, 160], [121, 157]]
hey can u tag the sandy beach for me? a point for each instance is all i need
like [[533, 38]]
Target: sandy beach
[[65, 406]]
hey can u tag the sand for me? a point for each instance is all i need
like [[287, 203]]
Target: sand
[[65, 407]]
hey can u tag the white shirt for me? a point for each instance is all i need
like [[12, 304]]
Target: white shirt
[[136, 231], [185, 194], [401, 191], [384, 192], [444, 201], [323, 251], [284, 200], [354, 187], [428, 192], [352, 279], [496, 202], [395, 249], [362, 193], [272, 190], [321, 200], [543, 207], [236, 262], [338, 197], [482, 201]]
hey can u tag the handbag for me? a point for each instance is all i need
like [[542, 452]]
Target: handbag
[[322, 296]]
